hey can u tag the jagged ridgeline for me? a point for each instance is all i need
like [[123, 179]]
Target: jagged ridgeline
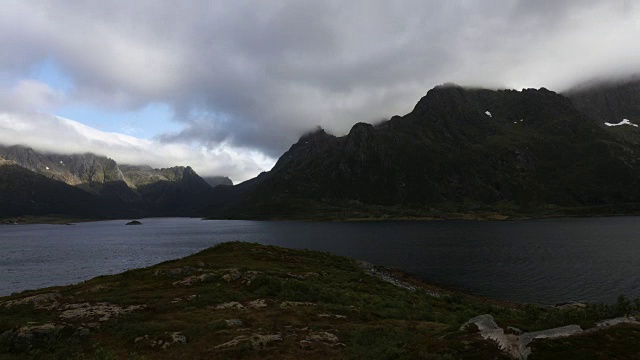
[[459, 151], [529, 152], [37, 183]]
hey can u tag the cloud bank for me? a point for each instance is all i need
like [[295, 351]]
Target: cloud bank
[[256, 75], [54, 134]]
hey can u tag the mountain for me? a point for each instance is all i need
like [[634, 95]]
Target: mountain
[[137, 190], [459, 150], [176, 191], [611, 102], [214, 181], [95, 174], [24, 192]]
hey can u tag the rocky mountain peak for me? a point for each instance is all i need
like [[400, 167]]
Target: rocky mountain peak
[[214, 181], [319, 134]]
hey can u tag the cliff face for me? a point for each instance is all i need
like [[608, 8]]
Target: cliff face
[[458, 150], [72, 169]]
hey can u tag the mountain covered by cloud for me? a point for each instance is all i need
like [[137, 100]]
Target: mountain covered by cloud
[[244, 79], [59, 135]]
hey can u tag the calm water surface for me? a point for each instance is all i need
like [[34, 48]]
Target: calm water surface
[[537, 261]]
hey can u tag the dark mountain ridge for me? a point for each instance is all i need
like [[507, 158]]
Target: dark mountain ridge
[[214, 181], [611, 102], [127, 191], [459, 150], [523, 153]]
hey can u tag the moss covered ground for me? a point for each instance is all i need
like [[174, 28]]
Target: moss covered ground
[[241, 300]]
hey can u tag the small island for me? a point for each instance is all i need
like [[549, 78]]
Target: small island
[[134, 222]]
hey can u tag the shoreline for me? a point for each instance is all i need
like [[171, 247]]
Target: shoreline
[[454, 216], [246, 300]]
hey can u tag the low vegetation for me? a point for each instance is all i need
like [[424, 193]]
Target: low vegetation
[[241, 300]]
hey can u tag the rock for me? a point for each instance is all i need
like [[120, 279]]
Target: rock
[[257, 341], [207, 277], [190, 280], [164, 342], [286, 304], [513, 330], [262, 341], [47, 301], [234, 342], [387, 276], [29, 335], [526, 338], [516, 345], [331, 315], [134, 222], [103, 311], [302, 275], [178, 338], [617, 321], [100, 287], [187, 270], [229, 305], [234, 322], [572, 305], [483, 322], [322, 336], [231, 277], [258, 303]]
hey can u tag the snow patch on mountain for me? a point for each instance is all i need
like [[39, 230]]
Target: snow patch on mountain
[[623, 122]]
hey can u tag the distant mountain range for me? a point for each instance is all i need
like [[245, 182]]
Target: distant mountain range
[[522, 153], [36, 183], [460, 151]]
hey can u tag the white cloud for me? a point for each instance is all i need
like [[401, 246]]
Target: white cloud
[[29, 95], [258, 74], [59, 135]]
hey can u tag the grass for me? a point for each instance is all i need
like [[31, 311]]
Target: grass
[[369, 318]]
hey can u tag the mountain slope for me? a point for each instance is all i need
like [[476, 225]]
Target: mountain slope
[[23, 192], [214, 181], [459, 150], [176, 191], [141, 190], [611, 102]]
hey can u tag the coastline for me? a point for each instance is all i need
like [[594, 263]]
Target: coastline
[[243, 300], [372, 214]]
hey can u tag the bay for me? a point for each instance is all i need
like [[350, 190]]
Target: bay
[[535, 261]]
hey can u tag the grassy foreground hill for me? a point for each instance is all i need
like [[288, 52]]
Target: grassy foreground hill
[[250, 301]]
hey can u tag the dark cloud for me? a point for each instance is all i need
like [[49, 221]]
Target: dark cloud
[[259, 74]]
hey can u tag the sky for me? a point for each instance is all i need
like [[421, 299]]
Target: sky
[[227, 86]]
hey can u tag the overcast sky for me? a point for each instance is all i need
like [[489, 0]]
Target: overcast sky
[[227, 86]]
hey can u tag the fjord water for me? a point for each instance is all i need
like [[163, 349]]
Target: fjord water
[[535, 261]]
